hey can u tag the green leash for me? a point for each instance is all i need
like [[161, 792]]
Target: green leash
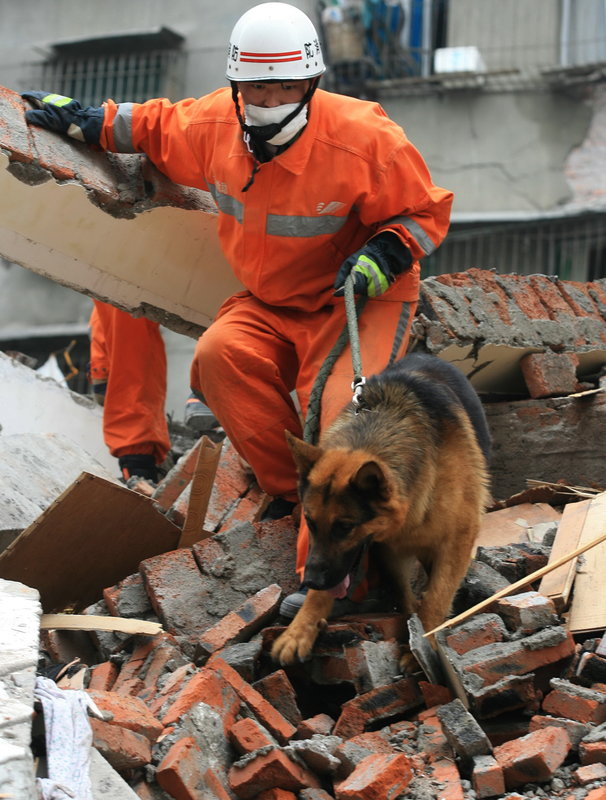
[[349, 332]]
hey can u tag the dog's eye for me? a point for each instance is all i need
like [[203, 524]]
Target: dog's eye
[[341, 529]]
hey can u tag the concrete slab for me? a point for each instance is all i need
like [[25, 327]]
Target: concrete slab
[[110, 226], [30, 403]]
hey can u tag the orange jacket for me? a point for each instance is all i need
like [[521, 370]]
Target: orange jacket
[[351, 174]]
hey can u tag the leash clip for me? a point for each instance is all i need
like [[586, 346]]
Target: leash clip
[[356, 387]]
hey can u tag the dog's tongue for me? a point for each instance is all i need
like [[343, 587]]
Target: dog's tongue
[[340, 590]]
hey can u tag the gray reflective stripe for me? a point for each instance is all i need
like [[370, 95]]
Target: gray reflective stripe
[[400, 331], [416, 230], [227, 203], [123, 129], [281, 225]]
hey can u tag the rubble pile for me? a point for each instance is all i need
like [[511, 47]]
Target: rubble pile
[[509, 707]]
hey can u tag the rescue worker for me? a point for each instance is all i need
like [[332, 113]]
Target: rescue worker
[[310, 185], [128, 377]]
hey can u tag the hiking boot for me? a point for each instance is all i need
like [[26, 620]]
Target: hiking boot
[[198, 416], [278, 508], [343, 607], [138, 465]]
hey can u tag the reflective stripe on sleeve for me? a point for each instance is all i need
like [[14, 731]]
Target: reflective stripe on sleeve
[[227, 204], [416, 231], [123, 129], [303, 227]]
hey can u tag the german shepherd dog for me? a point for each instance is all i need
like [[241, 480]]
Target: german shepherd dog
[[405, 469]]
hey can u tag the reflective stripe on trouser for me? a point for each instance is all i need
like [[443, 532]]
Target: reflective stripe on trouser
[[253, 355], [130, 353]]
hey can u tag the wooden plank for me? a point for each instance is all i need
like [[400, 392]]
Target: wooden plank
[[557, 585], [200, 490], [510, 525], [522, 583], [96, 622], [94, 534], [588, 606]]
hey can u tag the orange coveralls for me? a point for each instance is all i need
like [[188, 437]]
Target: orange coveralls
[[352, 173], [128, 352]]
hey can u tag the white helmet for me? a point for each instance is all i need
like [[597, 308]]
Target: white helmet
[[274, 41]]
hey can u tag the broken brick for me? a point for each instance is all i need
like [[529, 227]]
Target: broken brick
[[480, 630], [527, 612], [487, 776], [377, 777], [205, 686], [378, 704], [123, 748], [247, 735], [548, 374], [575, 702], [129, 712], [267, 771], [590, 773], [463, 732], [534, 757], [277, 689], [240, 624], [592, 752], [320, 723], [103, 676]]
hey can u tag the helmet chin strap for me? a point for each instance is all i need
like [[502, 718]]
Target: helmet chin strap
[[255, 136]]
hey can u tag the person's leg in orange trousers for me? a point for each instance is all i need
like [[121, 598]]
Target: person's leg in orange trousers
[[252, 357], [129, 353]]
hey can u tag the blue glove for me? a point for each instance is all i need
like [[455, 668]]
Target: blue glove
[[65, 115], [375, 266]]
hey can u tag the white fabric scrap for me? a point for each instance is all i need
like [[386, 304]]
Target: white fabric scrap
[[68, 741]]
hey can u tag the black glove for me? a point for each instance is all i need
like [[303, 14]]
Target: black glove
[[375, 265], [58, 113]]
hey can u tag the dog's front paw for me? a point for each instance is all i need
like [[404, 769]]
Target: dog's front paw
[[409, 664], [295, 644]]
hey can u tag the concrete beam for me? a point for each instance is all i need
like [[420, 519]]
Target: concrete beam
[[109, 226]]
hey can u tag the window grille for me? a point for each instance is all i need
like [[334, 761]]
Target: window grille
[[569, 248]]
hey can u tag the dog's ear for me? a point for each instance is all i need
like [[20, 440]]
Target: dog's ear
[[371, 479], [304, 454]]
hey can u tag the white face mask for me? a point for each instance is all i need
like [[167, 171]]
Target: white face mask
[[259, 116]]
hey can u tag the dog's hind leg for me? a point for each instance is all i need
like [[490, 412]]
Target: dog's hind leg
[[297, 641]]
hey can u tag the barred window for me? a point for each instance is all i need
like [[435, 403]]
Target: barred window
[[128, 67]]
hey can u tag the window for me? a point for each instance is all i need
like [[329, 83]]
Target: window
[[129, 67]]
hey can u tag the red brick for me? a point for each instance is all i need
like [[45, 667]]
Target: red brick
[[132, 666], [242, 623], [378, 704], [575, 702], [548, 374], [353, 751], [277, 794], [516, 658], [526, 612], [247, 735], [277, 689], [268, 771], [129, 712], [469, 637], [431, 740], [123, 748], [171, 687], [377, 777], [592, 752], [180, 771], [169, 489], [434, 695], [487, 777], [205, 686], [103, 676], [264, 711], [575, 730], [163, 658], [534, 757], [445, 772], [590, 773], [320, 723], [596, 794]]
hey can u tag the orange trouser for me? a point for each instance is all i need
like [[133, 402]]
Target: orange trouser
[[129, 353], [253, 355]]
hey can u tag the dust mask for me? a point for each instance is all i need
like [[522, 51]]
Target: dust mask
[[258, 118]]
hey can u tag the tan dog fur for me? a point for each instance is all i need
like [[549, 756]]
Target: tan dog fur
[[427, 493]]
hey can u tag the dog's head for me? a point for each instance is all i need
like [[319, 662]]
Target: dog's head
[[348, 500]]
